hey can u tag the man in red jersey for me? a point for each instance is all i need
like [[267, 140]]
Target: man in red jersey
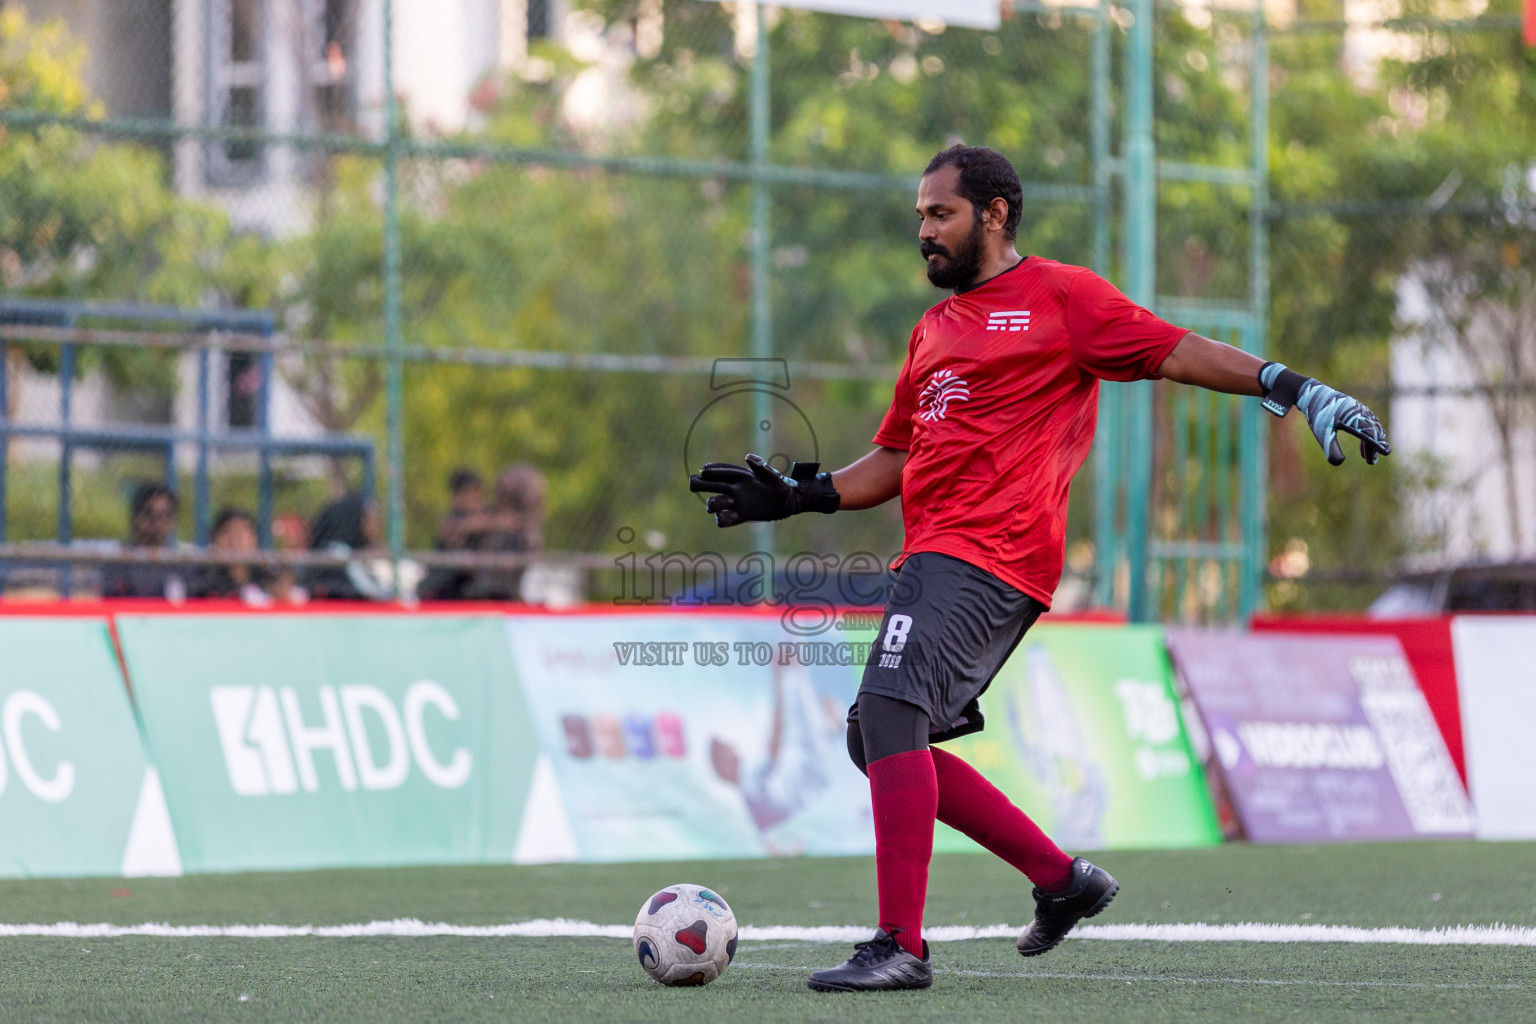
[[994, 412]]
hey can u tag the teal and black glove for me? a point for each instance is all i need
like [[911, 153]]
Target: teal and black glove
[[759, 493], [1327, 412]]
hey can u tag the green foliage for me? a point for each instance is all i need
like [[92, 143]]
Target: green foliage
[[1454, 113], [595, 262], [505, 255], [81, 218]]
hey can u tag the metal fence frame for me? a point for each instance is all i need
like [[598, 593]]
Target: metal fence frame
[[202, 331], [1122, 468], [1128, 556]]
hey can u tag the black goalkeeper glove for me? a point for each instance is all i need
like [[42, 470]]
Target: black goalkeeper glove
[[1327, 412], [759, 493]]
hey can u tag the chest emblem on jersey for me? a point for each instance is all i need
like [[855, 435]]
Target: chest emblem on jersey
[[1008, 320], [942, 388]]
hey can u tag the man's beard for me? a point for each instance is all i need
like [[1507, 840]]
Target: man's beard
[[956, 270]]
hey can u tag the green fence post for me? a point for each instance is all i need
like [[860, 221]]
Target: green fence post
[[1105, 484], [762, 251], [1100, 134], [1140, 285], [1255, 519], [393, 345]]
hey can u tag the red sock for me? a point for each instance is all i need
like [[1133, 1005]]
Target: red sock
[[973, 805], [906, 799]]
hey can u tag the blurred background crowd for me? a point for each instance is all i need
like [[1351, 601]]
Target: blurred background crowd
[[509, 519]]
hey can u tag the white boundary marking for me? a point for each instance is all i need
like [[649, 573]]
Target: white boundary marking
[[1460, 935], [1175, 979]]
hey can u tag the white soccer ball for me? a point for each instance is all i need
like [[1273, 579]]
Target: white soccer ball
[[685, 935]]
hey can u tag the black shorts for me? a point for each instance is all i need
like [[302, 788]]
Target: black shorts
[[947, 631]]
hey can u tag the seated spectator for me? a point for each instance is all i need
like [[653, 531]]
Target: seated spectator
[[465, 519], [151, 524], [460, 529], [514, 524], [290, 532], [259, 586], [349, 527]]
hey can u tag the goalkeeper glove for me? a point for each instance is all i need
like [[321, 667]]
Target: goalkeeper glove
[[759, 493], [1327, 412]]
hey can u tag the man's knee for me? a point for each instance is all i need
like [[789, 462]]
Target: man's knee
[[856, 747], [889, 726]]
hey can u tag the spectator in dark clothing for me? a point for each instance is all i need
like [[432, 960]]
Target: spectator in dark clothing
[[465, 519], [349, 527], [460, 529], [151, 524], [346, 525], [234, 529], [514, 524]]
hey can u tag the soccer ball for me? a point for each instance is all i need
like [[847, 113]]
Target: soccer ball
[[685, 935]]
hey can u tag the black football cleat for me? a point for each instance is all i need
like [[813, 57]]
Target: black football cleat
[[1056, 913], [879, 965]]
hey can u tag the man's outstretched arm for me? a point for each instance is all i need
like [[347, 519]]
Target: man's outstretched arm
[[1210, 364], [1205, 363], [873, 480], [757, 492]]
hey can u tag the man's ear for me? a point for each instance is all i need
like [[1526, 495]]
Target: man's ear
[[997, 213]]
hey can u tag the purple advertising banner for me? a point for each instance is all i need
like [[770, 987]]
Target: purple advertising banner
[[1321, 738]]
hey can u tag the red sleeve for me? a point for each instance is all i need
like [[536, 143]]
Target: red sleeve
[[896, 429], [1110, 336]]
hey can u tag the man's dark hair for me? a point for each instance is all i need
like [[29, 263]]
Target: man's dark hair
[[462, 478], [340, 522], [227, 515], [147, 492], [985, 174]]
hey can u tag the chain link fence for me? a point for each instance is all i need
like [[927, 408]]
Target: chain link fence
[[1403, 272], [219, 271]]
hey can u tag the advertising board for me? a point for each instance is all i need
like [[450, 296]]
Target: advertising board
[[1322, 738], [76, 793], [305, 741]]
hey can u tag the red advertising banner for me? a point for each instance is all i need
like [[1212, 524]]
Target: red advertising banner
[[1321, 739], [1427, 646]]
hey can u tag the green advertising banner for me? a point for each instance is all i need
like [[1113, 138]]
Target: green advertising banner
[[304, 741], [1084, 733], [76, 794]]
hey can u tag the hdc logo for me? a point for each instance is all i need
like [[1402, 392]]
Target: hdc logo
[[269, 748], [16, 706]]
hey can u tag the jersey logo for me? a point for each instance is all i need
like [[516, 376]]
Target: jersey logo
[[943, 387], [1008, 320]]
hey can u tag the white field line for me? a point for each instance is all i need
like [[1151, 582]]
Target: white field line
[[1173, 979], [1460, 935]]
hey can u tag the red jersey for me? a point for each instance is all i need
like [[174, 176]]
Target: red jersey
[[996, 406]]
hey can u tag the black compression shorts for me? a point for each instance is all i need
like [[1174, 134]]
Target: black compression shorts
[[947, 630]]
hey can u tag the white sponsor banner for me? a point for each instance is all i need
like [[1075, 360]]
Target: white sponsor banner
[[964, 13], [1496, 680]]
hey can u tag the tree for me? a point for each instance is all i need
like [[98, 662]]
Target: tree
[[519, 255], [80, 218], [1448, 122]]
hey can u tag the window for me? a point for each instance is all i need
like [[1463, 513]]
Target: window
[[236, 76], [331, 67], [538, 19], [243, 377]]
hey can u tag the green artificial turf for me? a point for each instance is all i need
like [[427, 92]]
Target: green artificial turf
[[1419, 885]]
